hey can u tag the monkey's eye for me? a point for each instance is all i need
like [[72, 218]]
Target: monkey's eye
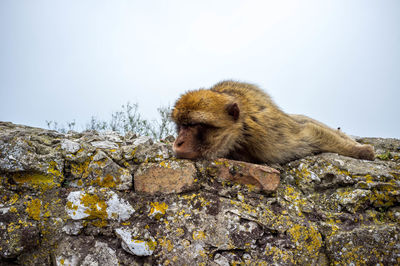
[[190, 125]]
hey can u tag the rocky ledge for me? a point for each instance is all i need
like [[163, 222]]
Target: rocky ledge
[[103, 199]]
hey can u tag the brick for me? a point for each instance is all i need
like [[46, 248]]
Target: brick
[[263, 177], [165, 177]]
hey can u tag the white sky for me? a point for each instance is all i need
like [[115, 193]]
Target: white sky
[[336, 61]]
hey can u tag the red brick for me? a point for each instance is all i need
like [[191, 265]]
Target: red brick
[[263, 177]]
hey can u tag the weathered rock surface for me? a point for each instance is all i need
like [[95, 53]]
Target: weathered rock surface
[[103, 199], [262, 177]]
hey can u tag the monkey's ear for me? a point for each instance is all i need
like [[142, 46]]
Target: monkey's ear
[[233, 110]]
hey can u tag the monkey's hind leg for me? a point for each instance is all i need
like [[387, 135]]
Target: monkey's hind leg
[[325, 139]]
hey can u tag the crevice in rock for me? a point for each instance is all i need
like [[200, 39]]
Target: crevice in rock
[[215, 250]]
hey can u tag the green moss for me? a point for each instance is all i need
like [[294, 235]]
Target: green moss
[[385, 156]]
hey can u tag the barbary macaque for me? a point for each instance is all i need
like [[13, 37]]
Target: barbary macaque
[[239, 121]]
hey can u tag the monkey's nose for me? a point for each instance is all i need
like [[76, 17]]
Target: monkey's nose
[[177, 146]]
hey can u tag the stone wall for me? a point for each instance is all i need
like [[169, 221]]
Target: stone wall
[[103, 199]]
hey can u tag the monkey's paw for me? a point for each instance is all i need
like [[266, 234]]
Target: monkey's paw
[[366, 152]]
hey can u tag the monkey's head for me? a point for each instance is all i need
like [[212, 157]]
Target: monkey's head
[[208, 124]]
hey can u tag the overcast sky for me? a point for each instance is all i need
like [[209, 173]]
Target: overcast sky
[[336, 61]]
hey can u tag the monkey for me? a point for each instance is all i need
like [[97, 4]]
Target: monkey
[[239, 121]]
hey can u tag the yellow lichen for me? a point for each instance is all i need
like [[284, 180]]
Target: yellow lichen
[[180, 232], [279, 255], [165, 164], [151, 244], [96, 209], [53, 169], [158, 209], [71, 206], [306, 239], [248, 208], [223, 162], [11, 227], [188, 197], [106, 181], [35, 180], [80, 169], [181, 213], [134, 152], [33, 208], [198, 235], [166, 244], [385, 198], [342, 172], [13, 199], [251, 188], [293, 196]]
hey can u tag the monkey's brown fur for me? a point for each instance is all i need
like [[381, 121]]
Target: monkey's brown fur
[[239, 121]]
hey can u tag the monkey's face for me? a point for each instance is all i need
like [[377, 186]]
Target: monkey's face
[[207, 123], [191, 141]]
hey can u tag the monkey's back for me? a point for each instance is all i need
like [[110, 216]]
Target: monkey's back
[[266, 131]]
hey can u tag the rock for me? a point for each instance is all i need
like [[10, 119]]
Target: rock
[[154, 153], [98, 205], [104, 144], [144, 150], [72, 250], [17, 237], [70, 146], [220, 260], [85, 251], [170, 139], [28, 149], [111, 136], [263, 177], [128, 201], [134, 246], [100, 254], [104, 172], [99, 170], [73, 227], [165, 177], [144, 140], [376, 244]]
